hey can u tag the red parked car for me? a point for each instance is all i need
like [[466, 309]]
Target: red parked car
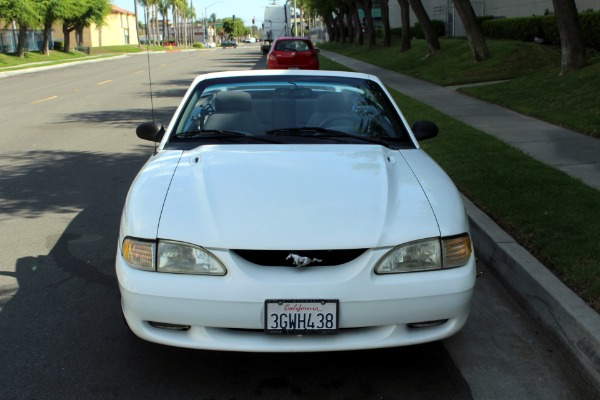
[[293, 53]]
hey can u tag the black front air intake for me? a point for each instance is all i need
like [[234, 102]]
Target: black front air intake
[[299, 258]]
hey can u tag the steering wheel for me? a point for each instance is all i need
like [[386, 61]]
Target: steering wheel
[[350, 119]]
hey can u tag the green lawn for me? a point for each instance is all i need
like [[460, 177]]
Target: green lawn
[[531, 73], [554, 216]]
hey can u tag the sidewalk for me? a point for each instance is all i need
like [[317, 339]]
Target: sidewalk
[[561, 313], [573, 153]]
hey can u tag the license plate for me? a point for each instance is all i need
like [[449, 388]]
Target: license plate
[[301, 317]]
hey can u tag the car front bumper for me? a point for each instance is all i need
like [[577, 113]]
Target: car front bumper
[[227, 312]]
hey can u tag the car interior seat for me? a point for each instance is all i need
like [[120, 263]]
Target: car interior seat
[[330, 105], [233, 112]]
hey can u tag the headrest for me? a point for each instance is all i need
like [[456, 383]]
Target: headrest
[[334, 102], [233, 102]]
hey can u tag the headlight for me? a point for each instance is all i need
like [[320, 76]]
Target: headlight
[[181, 258], [139, 254], [173, 257], [426, 255]]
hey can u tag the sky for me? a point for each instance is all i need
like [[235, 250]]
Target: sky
[[244, 9]]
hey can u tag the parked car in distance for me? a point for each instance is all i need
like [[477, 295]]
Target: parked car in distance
[[293, 53], [250, 40], [229, 43], [292, 211], [210, 45]]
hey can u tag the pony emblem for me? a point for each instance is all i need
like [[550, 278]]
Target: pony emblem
[[301, 261]]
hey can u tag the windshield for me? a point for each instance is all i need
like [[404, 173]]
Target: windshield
[[292, 45], [290, 109]]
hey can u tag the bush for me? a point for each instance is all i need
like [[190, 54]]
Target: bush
[[396, 32], [439, 26], [524, 28], [545, 27], [58, 46], [590, 24]]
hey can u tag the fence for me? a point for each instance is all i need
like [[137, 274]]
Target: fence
[[33, 42]]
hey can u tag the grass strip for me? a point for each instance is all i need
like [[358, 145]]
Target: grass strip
[[532, 85]]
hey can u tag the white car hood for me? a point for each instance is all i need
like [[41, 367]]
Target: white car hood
[[284, 197]]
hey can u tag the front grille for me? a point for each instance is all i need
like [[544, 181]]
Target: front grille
[[290, 258]]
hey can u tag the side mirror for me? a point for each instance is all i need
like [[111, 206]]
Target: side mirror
[[424, 130], [151, 131], [317, 50]]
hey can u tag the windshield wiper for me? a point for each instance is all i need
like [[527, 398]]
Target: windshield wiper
[[304, 131], [318, 132], [209, 134], [213, 134]]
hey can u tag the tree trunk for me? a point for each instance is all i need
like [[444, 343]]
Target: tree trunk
[[148, 33], [156, 31], [358, 33], [79, 35], [47, 30], [341, 27], [22, 40], [433, 43], [571, 37], [367, 6], [351, 25], [67, 35], [137, 24], [479, 50], [385, 20], [329, 24], [405, 19]]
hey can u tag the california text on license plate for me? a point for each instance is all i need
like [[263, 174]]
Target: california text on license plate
[[297, 317]]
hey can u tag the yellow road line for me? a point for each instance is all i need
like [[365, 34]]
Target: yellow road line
[[102, 83], [46, 99]]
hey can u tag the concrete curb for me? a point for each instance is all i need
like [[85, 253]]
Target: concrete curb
[[559, 311]]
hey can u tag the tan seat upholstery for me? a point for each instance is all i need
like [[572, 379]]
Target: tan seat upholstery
[[233, 112], [329, 105]]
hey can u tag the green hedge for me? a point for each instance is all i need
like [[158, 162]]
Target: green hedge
[[544, 27], [439, 26]]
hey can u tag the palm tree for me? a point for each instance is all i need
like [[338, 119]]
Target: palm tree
[[176, 6], [163, 9], [213, 20], [137, 19], [154, 5], [146, 5]]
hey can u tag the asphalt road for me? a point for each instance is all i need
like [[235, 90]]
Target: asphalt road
[[68, 153]]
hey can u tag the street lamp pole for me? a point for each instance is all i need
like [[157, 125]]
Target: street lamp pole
[[206, 18]]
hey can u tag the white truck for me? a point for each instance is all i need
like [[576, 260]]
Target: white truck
[[275, 25]]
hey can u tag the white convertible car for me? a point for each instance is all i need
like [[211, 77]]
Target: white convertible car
[[292, 211]]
